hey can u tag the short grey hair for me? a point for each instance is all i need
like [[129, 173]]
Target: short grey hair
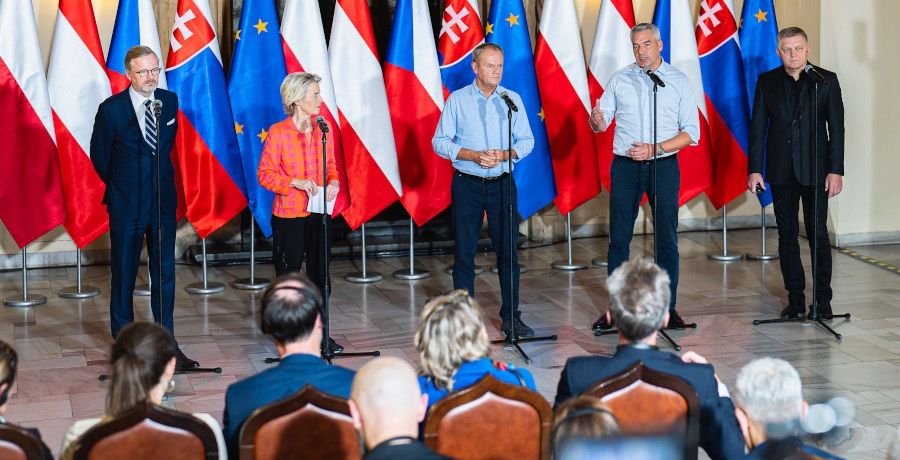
[[138, 51], [294, 87], [789, 32], [646, 26], [769, 391], [638, 298], [476, 54]]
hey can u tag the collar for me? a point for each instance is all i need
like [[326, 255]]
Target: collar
[[301, 358], [474, 90], [663, 68], [637, 346], [138, 98]]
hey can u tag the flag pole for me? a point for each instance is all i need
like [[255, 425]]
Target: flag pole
[[570, 265], [204, 287], [24, 300], [253, 283], [79, 291], [762, 255], [724, 256], [412, 273], [364, 276]]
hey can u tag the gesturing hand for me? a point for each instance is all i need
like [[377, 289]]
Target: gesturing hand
[[305, 185]]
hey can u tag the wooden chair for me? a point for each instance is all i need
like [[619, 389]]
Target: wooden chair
[[18, 444], [490, 419], [651, 403], [309, 424], [148, 432]]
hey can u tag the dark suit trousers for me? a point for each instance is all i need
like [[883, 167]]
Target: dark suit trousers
[[786, 199], [294, 238], [126, 238]]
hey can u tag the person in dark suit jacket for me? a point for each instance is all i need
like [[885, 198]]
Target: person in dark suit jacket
[[9, 362], [291, 314], [638, 304], [124, 146], [785, 106]]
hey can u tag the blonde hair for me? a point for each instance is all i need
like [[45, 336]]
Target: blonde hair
[[294, 87], [451, 333]]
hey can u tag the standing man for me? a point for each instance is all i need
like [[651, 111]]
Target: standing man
[[628, 97], [124, 145], [473, 134], [781, 128]]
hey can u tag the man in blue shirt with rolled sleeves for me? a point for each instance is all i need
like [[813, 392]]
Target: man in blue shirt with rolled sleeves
[[473, 134], [628, 97]]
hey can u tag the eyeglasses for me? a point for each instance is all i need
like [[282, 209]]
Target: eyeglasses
[[145, 72]]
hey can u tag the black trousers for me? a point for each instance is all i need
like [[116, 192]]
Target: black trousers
[[786, 199], [296, 238]]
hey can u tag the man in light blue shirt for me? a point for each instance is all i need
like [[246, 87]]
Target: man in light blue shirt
[[473, 133], [628, 97]]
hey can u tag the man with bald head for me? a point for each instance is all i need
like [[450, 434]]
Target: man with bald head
[[387, 405], [290, 313]]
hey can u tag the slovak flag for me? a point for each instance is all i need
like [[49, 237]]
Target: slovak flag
[[135, 25], [676, 28], [31, 189], [76, 51], [416, 98], [460, 33], [208, 155], [562, 78], [726, 99], [610, 51], [365, 119]]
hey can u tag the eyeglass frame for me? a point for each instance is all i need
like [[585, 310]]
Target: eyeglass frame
[[144, 73]]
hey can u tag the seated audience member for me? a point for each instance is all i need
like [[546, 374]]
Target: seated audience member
[[453, 348], [638, 305], [143, 363], [387, 406], [291, 314], [9, 361], [582, 418], [769, 399]]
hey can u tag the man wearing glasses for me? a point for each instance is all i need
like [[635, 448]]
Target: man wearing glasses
[[128, 135]]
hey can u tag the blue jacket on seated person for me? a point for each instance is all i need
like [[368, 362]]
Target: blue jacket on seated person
[[470, 373]]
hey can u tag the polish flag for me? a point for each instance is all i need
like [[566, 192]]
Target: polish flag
[[416, 98], [76, 51], [562, 78], [610, 52], [305, 51], [365, 120], [31, 190]]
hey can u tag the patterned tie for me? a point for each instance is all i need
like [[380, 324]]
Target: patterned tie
[[149, 127]]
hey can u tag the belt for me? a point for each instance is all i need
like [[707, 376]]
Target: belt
[[481, 179], [647, 162]]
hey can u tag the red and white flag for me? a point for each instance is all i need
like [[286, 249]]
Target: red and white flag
[[31, 190], [562, 78], [76, 51], [305, 51], [365, 120], [610, 52]]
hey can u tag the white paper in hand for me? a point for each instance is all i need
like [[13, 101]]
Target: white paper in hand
[[315, 202]]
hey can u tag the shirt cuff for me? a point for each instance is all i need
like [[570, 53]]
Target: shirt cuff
[[723, 391]]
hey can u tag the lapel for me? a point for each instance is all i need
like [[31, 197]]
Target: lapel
[[130, 116]]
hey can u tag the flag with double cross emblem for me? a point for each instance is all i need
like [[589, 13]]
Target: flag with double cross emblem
[[461, 32]]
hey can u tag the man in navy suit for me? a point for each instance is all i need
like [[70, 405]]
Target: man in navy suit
[[124, 145], [639, 306], [291, 314]]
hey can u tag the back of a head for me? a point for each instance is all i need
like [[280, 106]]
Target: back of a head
[[451, 333], [387, 389], [289, 308], [769, 391], [9, 362], [582, 418], [138, 359], [638, 298]]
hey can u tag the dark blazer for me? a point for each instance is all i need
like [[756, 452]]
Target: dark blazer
[[787, 146], [720, 434], [125, 162], [291, 375], [788, 448]]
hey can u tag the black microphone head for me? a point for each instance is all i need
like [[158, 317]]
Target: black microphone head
[[320, 120], [808, 68], [647, 70]]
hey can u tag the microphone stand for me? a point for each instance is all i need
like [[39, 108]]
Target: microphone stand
[[512, 338], [814, 308]]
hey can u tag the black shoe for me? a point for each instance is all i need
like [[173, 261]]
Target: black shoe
[[335, 347], [182, 362], [823, 309], [794, 309], [675, 319], [601, 324], [522, 330]]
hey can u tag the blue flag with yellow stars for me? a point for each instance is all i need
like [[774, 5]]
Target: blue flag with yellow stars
[[507, 28], [254, 86]]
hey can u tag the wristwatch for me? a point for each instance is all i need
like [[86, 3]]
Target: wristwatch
[[660, 151]]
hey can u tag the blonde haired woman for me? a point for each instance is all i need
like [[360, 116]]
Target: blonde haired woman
[[454, 348]]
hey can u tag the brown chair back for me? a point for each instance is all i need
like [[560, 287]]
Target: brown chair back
[[148, 432], [652, 403], [308, 424], [18, 444], [490, 419]]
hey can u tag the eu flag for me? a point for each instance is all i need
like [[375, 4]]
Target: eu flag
[[257, 70], [507, 28]]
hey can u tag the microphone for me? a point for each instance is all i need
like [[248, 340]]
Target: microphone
[[320, 120], [653, 76], [509, 102], [812, 72], [157, 108]]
